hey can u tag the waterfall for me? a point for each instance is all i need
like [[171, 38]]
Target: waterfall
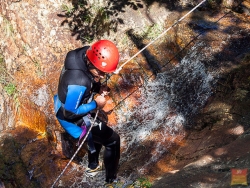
[[168, 102]]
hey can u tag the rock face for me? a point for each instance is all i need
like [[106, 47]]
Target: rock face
[[221, 141], [32, 46], [35, 37]]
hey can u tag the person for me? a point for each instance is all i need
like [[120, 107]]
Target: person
[[77, 101]]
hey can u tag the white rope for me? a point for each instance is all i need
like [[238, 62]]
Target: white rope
[[76, 150], [120, 68], [117, 72]]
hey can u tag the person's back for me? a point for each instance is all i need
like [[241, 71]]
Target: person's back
[[75, 108]]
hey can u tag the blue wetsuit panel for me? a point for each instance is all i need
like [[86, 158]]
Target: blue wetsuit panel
[[71, 128], [73, 99], [72, 103]]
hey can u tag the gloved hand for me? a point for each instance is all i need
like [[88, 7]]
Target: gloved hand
[[100, 101]]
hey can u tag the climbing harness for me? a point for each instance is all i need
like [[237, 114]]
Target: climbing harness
[[78, 149], [120, 68]]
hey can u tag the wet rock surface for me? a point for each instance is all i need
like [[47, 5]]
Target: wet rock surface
[[220, 142], [27, 159], [35, 37]]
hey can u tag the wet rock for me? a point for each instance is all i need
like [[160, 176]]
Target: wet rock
[[36, 35], [208, 155], [215, 172], [230, 3], [246, 7]]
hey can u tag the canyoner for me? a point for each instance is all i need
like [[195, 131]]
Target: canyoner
[[80, 94], [77, 108]]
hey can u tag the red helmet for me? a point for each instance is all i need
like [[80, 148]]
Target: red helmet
[[104, 55]]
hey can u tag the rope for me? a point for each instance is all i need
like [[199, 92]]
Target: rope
[[120, 68], [117, 72], [76, 150]]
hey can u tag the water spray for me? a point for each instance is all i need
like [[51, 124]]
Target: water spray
[[117, 72], [120, 68]]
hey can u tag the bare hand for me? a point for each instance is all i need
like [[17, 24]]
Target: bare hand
[[100, 101]]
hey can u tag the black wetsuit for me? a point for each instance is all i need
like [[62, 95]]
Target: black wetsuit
[[72, 103]]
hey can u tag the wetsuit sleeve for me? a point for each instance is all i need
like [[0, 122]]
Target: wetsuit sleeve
[[74, 98]]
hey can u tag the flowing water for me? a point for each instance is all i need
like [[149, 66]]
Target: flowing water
[[165, 109], [148, 130], [169, 102]]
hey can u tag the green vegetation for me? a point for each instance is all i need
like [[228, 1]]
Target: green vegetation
[[6, 81], [154, 31], [38, 68], [89, 20], [10, 89], [143, 183], [68, 10], [3, 74], [7, 27]]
